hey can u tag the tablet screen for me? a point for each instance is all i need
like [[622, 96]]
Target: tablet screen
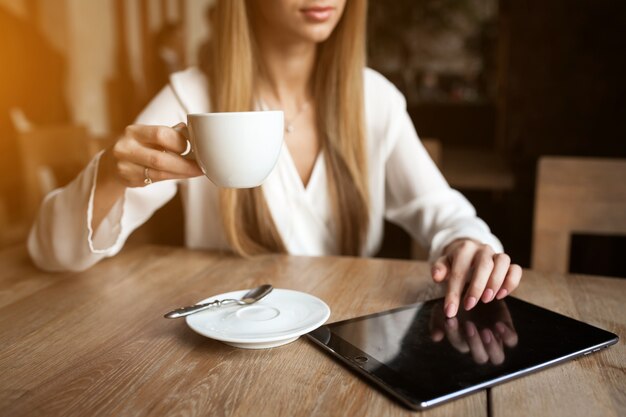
[[423, 358]]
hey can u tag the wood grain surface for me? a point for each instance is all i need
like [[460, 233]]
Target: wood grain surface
[[95, 343], [575, 195]]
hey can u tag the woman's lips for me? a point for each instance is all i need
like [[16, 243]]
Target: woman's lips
[[317, 14]]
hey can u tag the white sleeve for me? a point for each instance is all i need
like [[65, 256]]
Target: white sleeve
[[419, 199], [62, 238]]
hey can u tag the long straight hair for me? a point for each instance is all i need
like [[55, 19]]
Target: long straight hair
[[339, 100]]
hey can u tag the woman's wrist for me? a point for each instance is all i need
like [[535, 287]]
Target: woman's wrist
[[107, 177], [109, 189]]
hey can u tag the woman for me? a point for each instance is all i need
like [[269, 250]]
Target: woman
[[352, 158]]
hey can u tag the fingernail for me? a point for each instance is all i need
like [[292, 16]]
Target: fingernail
[[501, 294], [470, 303], [470, 330], [451, 310], [488, 295]]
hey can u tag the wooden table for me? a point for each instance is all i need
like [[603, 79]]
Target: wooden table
[[95, 343]]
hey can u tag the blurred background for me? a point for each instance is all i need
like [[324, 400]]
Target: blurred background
[[492, 86]]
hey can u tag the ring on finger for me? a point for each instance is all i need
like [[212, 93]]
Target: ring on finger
[[146, 178]]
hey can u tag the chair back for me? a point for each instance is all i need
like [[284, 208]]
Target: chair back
[[575, 195], [51, 157]]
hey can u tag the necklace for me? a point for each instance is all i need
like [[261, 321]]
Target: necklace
[[289, 123]]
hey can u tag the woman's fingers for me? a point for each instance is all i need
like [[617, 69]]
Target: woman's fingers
[[160, 137], [166, 161], [440, 268], [131, 150], [501, 263], [483, 267], [461, 262], [182, 129], [511, 281], [492, 275], [134, 175], [147, 154]]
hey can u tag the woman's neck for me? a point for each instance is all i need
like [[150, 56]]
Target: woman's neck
[[286, 72]]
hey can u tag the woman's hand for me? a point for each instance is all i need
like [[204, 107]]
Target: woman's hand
[[143, 155], [147, 154], [489, 275]]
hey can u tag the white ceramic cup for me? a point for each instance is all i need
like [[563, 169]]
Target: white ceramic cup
[[236, 149]]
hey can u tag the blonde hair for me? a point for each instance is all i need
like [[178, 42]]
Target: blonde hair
[[339, 101]]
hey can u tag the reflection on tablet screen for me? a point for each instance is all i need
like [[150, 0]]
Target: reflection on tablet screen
[[481, 336]]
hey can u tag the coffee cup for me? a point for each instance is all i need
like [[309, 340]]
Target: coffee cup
[[236, 149]]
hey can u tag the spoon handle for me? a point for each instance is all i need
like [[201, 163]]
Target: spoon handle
[[185, 311]]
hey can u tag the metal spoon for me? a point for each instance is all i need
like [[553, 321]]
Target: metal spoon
[[250, 297]]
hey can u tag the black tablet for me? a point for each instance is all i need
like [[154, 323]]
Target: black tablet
[[423, 359]]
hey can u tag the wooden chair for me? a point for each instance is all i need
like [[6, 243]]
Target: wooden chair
[[469, 168], [11, 232], [584, 195], [51, 157]]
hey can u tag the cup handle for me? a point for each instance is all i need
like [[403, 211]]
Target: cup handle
[[188, 153]]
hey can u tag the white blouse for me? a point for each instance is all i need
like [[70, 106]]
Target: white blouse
[[405, 187]]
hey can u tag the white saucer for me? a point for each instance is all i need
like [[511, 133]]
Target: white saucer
[[279, 318]]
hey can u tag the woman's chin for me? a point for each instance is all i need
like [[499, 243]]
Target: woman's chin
[[316, 34]]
